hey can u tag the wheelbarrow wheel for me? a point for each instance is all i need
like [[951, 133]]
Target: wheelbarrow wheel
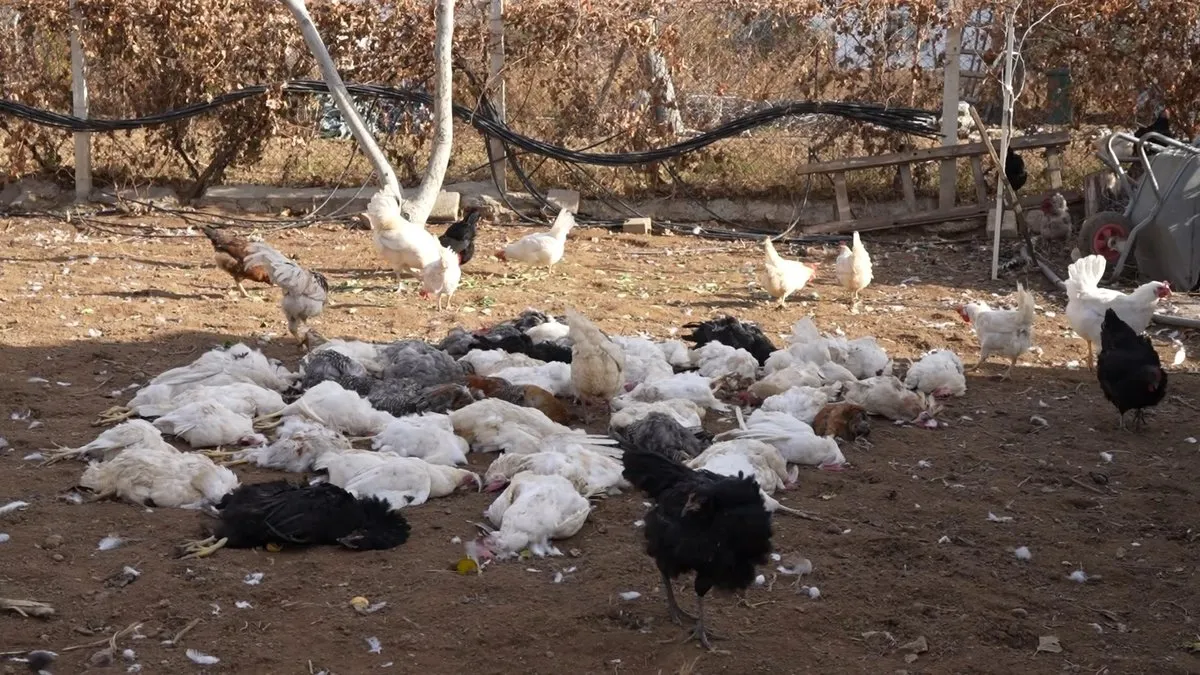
[[1103, 233]]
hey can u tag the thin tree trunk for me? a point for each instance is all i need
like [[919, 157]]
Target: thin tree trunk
[[662, 89], [418, 209]]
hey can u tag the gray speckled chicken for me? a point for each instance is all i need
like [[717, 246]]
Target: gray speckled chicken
[[662, 434], [421, 361], [332, 365], [304, 292]]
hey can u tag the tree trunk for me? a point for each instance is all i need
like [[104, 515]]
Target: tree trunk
[[662, 90], [418, 209]]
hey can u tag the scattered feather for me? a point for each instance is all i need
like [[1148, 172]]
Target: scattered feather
[[998, 519], [813, 592], [1180, 357], [1038, 421], [242, 604], [34, 457], [1022, 553], [12, 507], [760, 580], [109, 543], [1078, 576], [374, 645], [253, 578], [1106, 456], [630, 595], [944, 539], [4, 537], [201, 658]]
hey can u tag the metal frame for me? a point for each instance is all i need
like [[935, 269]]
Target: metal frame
[[1109, 157]]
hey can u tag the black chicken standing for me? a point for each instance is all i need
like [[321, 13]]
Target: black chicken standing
[[1014, 170], [1128, 368], [460, 237], [714, 525], [279, 512]]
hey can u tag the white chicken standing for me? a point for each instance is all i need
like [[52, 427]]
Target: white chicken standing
[[533, 510], [440, 278], [407, 247], [1007, 332], [781, 278], [304, 292], [597, 364], [1087, 302], [160, 475], [853, 267], [938, 373], [541, 249]]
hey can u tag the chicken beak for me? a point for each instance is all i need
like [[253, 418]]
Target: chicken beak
[[496, 485]]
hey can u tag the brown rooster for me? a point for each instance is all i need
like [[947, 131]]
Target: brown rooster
[[842, 420], [525, 395], [231, 251]]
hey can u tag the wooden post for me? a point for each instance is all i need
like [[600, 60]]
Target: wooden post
[[79, 96], [497, 94], [950, 93]]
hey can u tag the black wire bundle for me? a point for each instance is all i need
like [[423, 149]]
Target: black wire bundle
[[904, 120]]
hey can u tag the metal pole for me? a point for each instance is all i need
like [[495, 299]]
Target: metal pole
[[79, 100], [1005, 130]]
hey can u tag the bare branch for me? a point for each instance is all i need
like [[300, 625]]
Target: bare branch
[[341, 96]]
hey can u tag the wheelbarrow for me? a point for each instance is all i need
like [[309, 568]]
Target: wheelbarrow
[[1160, 226]]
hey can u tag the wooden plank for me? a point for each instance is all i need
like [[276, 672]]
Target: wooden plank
[[1054, 167], [965, 212], [907, 187], [842, 212], [1091, 194], [931, 154], [981, 186]]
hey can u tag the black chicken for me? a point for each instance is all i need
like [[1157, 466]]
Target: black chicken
[[1160, 125], [1128, 368], [731, 332], [279, 512], [663, 433], [460, 237], [1014, 170], [716, 526]]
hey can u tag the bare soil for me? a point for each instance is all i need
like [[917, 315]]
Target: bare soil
[[908, 552]]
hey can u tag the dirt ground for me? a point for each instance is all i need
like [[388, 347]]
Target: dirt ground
[[908, 552]]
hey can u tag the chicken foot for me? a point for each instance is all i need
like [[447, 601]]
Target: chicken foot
[[269, 421], [676, 613], [700, 633], [113, 415], [242, 289], [202, 548]]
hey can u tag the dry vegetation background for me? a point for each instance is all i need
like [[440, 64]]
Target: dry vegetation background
[[725, 57]]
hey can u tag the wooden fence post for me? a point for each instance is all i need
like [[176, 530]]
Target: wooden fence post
[[496, 85], [79, 96], [950, 92]]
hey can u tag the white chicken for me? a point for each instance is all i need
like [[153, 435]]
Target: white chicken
[[298, 444], [687, 413], [725, 364], [407, 247], [368, 354], [541, 249], [160, 476], [597, 364], [401, 481], [770, 468], [887, 396], [803, 403], [693, 387], [863, 356], [781, 278], [488, 362], [1007, 332], [430, 437], [134, 433], [336, 408], [644, 361], [440, 278], [796, 441], [1087, 302], [243, 398], [853, 267], [676, 352], [208, 424], [239, 363], [493, 425], [592, 473], [304, 291], [550, 331], [532, 511], [799, 374], [554, 377], [938, 373]]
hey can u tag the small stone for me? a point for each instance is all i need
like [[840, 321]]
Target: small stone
[[57, 557], [52, 542], [1019, 613], [101, 659]]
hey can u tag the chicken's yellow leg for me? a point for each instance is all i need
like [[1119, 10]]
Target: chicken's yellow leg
[[203, 548]]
